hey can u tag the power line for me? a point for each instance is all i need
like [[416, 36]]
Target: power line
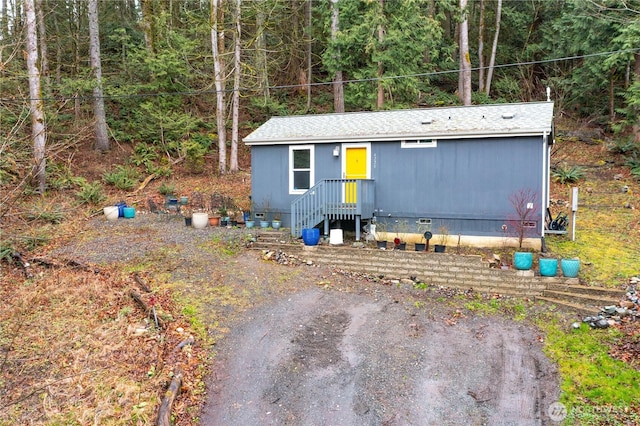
[[293, 86]]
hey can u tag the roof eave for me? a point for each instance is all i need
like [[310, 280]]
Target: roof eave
[[397, 137]]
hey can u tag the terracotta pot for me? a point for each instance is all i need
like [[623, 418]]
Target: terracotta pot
[[214, 221]]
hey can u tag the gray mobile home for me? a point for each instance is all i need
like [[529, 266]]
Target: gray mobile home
[[453, 167]]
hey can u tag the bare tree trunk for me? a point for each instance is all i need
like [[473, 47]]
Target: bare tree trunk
[[465, 60], [612, 96], [636, 78], [4, 21], [146, 23], [44, 61], [381, 32], [338, 89], [102, 138], [217, 40], [456, 37], [37, 114], [481, 48], [261, 58], [76, 54], [58, 51], [309, 52], [494, 49], [233, 161]]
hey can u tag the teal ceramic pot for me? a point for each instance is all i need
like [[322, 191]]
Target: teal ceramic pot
[[548, 267], [570, 267], [249, 224], [522, 260], [264, 224], [275, 224]]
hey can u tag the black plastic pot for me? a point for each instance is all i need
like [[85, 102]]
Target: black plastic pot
[[420, 246], [381, 244], [439, 248]]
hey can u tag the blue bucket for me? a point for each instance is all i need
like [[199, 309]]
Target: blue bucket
[[311, 236], [121, 205], [548, 267]]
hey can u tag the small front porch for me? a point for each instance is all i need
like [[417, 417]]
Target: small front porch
[[333, 199]]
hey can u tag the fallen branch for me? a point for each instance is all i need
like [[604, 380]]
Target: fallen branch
[[141, 283], [164, 412], [142, 185], [71, 263], [136, 296]]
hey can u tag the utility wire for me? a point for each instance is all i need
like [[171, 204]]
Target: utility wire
[[292, 86]]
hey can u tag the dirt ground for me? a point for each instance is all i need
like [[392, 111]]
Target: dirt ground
[[316, 346]]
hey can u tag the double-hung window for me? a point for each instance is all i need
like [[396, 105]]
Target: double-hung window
[[301, 170]]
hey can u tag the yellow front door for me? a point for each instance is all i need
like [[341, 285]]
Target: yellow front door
[[355, 168]]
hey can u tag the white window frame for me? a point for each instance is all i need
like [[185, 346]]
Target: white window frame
[[311, 169], [419, 143]]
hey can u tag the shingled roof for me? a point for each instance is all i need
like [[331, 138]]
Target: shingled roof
[[498, 120]]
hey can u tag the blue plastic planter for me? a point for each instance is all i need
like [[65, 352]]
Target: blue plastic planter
[[311, 236], [570, 267], [548, 267], [522, 260], [121, 205]]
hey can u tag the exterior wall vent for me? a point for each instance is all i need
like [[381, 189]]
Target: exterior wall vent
[[508, 115], [427, 121]]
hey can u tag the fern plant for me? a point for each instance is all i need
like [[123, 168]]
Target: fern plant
[[124, 178], [90, 193], [568, 174]]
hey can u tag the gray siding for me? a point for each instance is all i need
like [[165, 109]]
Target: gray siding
[[270, 175], [463, 183]]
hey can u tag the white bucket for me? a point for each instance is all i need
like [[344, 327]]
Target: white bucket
[[335, 236], [111, 212], [200, 220]]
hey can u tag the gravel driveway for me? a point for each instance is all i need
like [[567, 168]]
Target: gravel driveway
[[319, 347], [325, 357]]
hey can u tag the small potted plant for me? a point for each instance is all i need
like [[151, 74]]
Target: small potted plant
[[187, 213], [379, 229], [401, 228], [443, 235], [276, 222], [249, 220], [264, 220], [223, 215], [422, 245]]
